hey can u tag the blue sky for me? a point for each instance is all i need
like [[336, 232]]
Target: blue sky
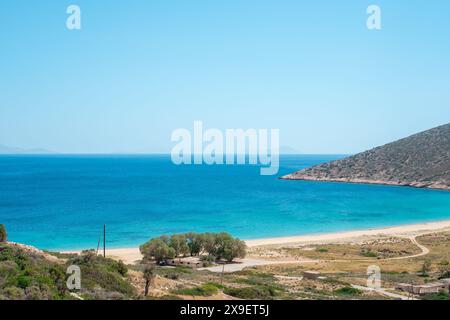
[[139, 69]]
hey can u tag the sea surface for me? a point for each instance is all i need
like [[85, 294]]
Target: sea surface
[[61, 202]]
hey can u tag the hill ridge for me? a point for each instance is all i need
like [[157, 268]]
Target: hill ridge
[[421, 160]]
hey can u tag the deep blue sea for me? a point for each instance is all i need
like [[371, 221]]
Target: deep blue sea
[[61, 202]]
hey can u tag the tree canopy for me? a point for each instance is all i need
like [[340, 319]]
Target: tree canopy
[[218, 245]]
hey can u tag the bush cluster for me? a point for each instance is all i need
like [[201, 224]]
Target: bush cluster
[[207, 289], [28, 275], [260, 292], [216, 246], [102, 278], [25, 275]]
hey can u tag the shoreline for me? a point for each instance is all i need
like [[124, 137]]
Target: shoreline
[[398, 230], [415, 185], [131, 255]]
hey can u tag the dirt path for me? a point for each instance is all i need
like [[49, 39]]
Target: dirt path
[[413, 239], [250, 262], [424, 251], [244, 263]]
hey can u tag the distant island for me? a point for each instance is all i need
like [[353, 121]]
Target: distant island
[[421, 160], [12, 150]]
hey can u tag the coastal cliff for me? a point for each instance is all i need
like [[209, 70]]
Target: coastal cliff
[[421, 160]]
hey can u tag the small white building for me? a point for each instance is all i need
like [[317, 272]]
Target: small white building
[[422, 289], [446, 282], [193, 262]]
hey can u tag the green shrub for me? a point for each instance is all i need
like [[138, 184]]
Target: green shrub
[[29, 275], [436, 296], [14, 293], [35, 293], [369, 254], [253, 293], [172, 276], [205, 290], [122, 268], [348, 291], [23, 281], [105, 273], [217, 285]]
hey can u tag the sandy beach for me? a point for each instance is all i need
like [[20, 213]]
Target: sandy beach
[[402, 230], [132, 255]]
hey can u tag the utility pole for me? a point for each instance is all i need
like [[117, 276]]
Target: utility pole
[[104, 241], [223, 271]]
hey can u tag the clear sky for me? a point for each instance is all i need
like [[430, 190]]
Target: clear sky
[[139, 69]]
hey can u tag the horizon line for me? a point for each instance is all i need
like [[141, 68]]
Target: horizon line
[[151, 153]]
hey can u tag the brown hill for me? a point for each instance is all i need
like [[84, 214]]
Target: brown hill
[[421, 160]]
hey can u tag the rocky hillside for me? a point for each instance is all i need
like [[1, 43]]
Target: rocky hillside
[[421, 160]]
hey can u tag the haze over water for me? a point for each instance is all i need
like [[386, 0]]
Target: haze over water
[[62, 202]]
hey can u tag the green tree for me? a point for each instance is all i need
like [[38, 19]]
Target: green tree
[[229, 248], [210, 244], [195, 242], [444, 269], [223, 242], [426, 268], [218, 245], [149, 276], [178, 244], [165, 239], [234, 248], [3, 234], [122, 268], [157, 249]]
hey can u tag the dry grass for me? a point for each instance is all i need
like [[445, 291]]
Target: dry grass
[[343, 264]]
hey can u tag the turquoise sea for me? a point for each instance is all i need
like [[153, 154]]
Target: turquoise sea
[[61, 202]]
